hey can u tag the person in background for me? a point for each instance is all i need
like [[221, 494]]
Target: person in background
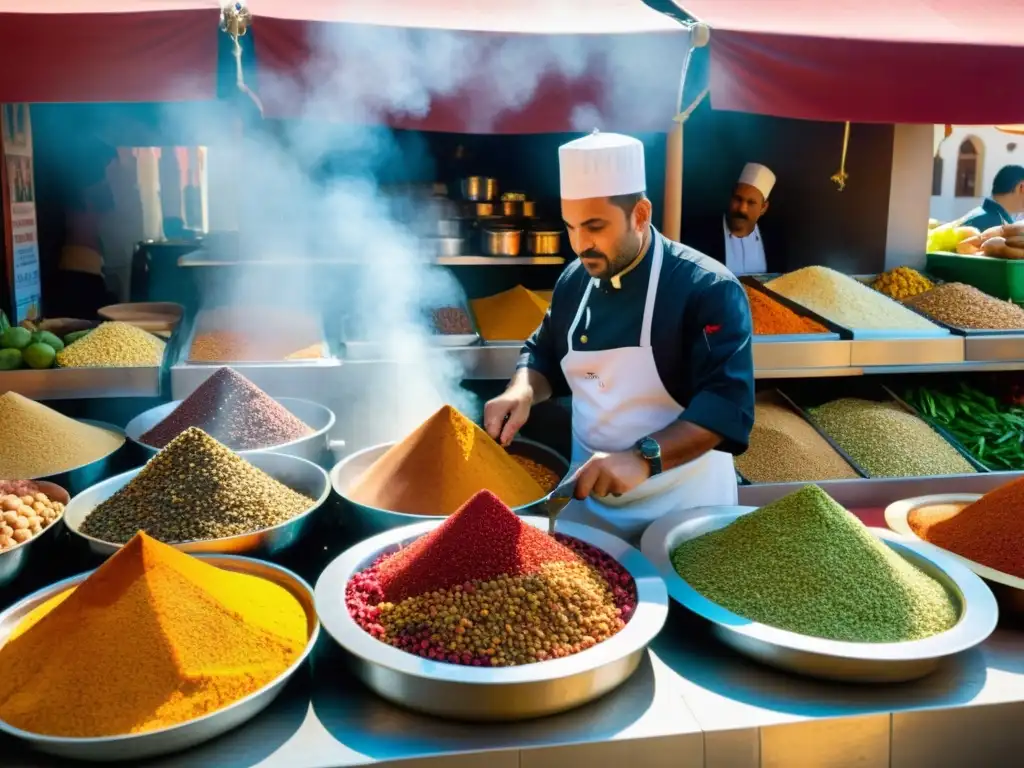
[[1004, 205], [735, 240]]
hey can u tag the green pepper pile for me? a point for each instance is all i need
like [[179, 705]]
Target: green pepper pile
[[992, 431]]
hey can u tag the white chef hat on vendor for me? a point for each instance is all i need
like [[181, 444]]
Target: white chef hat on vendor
[[601, 165], [758, 176]]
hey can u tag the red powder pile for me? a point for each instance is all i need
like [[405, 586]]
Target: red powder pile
[[482, 540]]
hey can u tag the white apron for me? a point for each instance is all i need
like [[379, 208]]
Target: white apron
[[618, 398]]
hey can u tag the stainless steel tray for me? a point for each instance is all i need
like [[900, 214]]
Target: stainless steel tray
[[814, 656], [317, 417], [177, 737], [82, 383], [298, 474], [210, 321], [14, 560], [508, 693]]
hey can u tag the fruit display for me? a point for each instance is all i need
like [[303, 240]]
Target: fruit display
[[1002, 242], [29, 346]]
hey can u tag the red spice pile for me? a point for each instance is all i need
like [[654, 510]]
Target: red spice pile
[[482, 540], [989, 531]]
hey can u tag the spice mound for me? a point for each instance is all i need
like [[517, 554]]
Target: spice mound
[[987, 531], [964, 306], [774, 319], [805, 564], [544, 476], [113, 345], [151, 639], [511, 315], [25, 512], [785, 449], [846, 301], [902, 283], [36, 441], [195, 489], [887, 441], [232, 346], [444, 462], [486, 589], [233, 410], [450, 321]]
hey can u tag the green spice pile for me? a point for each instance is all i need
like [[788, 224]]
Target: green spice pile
[[887, 441], [113, 345], [805, 564], [990, 430], [194, 489], [964, 306], [846, 301]]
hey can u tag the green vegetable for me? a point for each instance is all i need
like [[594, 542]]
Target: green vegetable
[[39, 355], [50, 339], [4, 322], [16, 338], [71, 338], [10, 359]]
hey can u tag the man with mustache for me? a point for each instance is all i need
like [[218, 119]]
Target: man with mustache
[[653, 342]]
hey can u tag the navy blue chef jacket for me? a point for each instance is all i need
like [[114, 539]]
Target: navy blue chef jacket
[[700, 335], [988, 214]]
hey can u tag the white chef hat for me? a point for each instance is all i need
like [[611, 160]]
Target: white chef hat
[[601, 165], [758, 176]]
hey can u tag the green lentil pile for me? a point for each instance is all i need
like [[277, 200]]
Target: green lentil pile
[[805, 564], [113, 345], [887, 441], [194, 489], [964, 306]]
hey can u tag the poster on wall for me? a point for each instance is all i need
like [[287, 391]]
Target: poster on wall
[[21, 244]]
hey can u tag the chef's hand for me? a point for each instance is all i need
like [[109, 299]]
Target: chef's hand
[[506, 414], [611, 473]]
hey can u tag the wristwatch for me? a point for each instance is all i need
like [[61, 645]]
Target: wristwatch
[[650, 450]]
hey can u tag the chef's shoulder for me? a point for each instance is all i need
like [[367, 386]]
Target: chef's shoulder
[[572, 281], [692, 273]]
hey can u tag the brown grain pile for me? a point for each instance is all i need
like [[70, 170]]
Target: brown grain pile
[[964, 306]]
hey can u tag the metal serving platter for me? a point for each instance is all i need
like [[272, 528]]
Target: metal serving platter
[[13, 560], [1009, 590], [814, 656], [133, 747], [317, 417], [508, 693], [298, 474], [77, 479], [372, 520]]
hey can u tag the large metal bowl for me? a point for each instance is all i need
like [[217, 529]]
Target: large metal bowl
[[815, 656], [13, 560], [489, 694], [77, 479], [298, 474], [371, 520], [317, 417], [176, 737]]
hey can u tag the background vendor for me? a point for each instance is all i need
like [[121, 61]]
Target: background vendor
[[1004, 204], [652, 340]]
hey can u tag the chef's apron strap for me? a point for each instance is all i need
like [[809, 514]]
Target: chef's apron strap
[[579, 312], [652, 288]]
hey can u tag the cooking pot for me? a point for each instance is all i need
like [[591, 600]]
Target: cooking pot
[[479, 188], [502, 241], [544, 242]]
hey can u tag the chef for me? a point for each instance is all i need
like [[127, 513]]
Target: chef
[[653, 342]]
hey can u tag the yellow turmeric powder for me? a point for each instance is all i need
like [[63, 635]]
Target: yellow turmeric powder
[[152, 639], [441, 465], [511, 315]]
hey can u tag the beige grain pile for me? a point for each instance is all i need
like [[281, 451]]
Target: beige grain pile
[[786, 449], [966, 307], [113, 345], [36, 441], [846, 301]]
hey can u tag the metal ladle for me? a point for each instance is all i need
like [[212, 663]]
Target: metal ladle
[[557, 500]]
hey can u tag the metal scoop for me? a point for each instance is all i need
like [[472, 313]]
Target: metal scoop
[[556, 501]]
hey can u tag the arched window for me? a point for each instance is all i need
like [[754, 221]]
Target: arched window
[[968, 169], [937, 176]]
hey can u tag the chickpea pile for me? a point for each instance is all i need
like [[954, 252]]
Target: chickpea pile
[[23, 517]]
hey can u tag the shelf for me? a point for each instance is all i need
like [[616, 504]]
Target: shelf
[[198, 260], [500, 261], [82, 383]]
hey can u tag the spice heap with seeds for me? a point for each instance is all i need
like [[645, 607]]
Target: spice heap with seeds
[[486, 589], [887, 441], [805, 564], [511, 315], [786, 449], [544, 476], [25, 512], [151, 639], [36, 441], [451, 321], [195, 489], [439, 466], [234, 411], [964, 306], [846, 301], [113, 345], [774, 319]]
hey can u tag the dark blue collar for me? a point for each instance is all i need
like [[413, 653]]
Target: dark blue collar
[[991, 206]]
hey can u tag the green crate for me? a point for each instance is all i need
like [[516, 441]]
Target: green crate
[[1003, 278]]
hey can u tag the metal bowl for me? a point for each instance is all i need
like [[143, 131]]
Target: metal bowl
[[479, 188], [544, 242], [371, 520], [13, 560], [176, 737], [501, 241], [815, 656], [317, 417], [480, 694], [298, 474], [1009, 590], [77, 479]]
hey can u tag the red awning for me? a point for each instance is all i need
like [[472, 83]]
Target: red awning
[[108, 50], [889, 61], [527, 66]]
